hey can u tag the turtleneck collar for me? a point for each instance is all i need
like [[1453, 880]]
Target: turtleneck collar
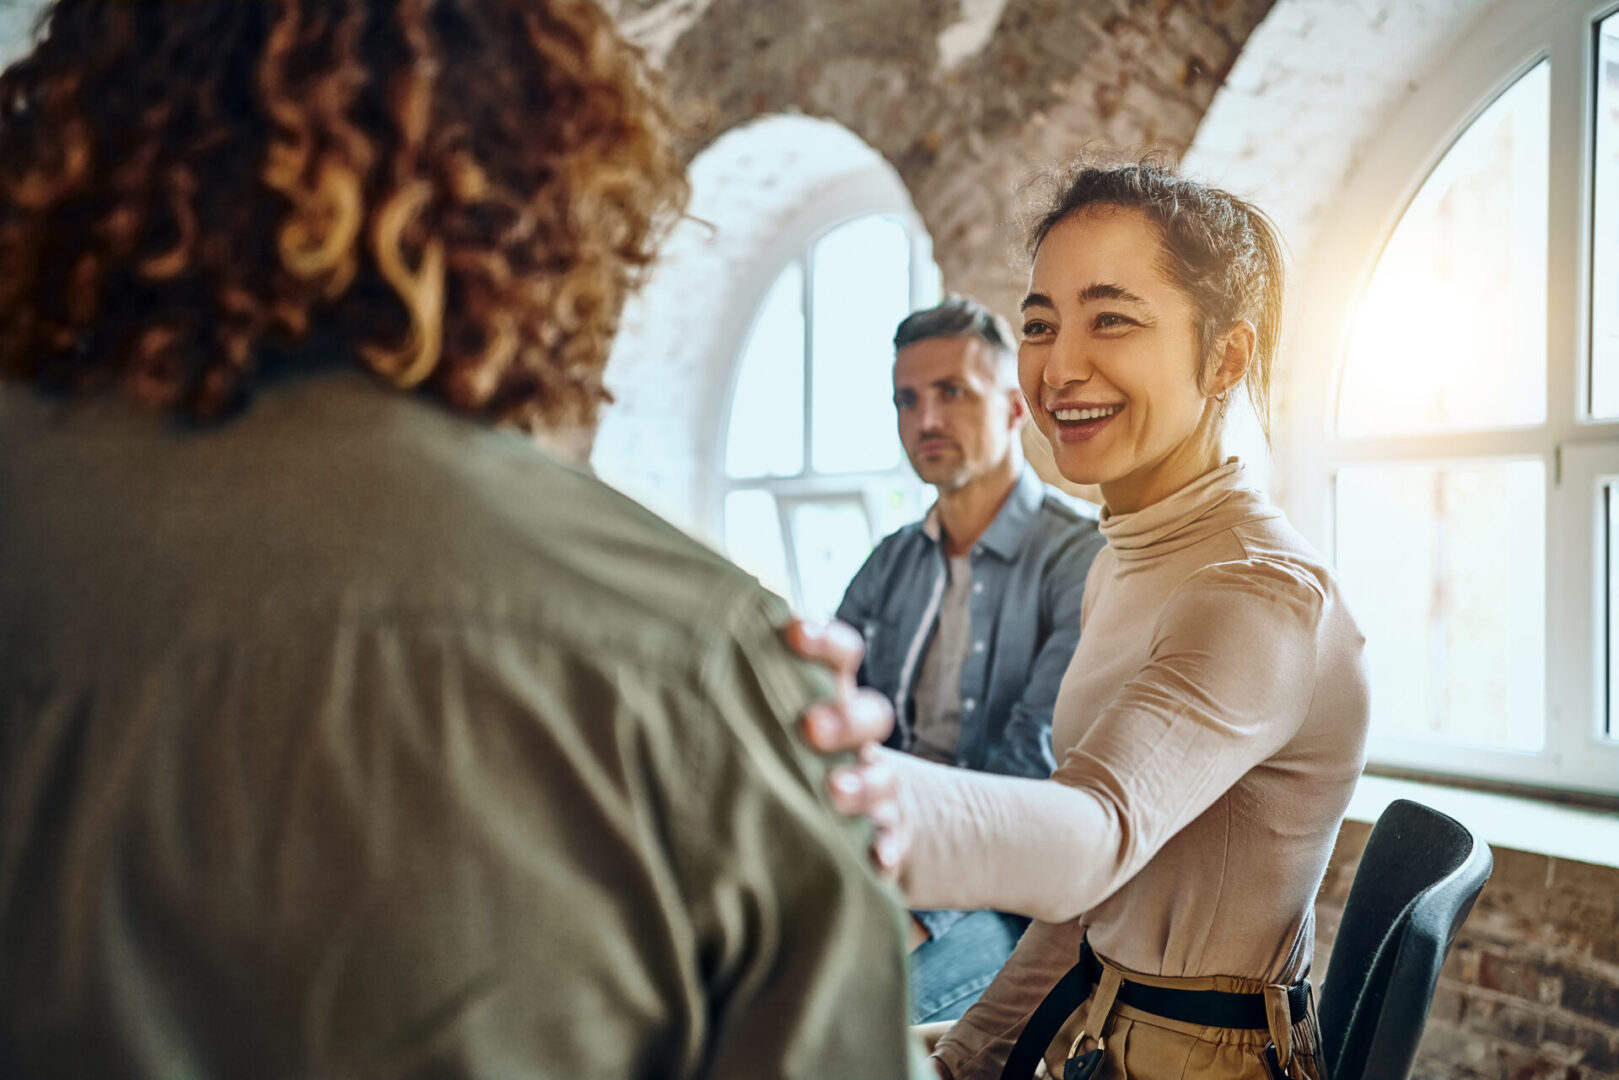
[[1219, 499]]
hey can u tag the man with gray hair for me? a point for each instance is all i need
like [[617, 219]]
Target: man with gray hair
[[971, 614]]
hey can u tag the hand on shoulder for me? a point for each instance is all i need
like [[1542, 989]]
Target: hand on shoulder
[[854, 720]]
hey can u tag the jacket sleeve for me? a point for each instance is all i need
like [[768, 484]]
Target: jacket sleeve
[[800, 946], [1025, 746]]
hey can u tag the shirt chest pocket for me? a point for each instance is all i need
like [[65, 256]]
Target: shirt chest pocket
[[885, 654]]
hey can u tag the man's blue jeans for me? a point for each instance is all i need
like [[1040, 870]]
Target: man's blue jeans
[[948, 973]]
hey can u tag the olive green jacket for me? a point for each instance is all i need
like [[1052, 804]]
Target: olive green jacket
[[351, 739]]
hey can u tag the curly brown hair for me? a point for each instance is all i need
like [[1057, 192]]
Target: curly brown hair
[[458, 194]]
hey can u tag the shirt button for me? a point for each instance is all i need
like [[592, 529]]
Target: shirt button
[[978, 646], [978, 586], [969, 703]]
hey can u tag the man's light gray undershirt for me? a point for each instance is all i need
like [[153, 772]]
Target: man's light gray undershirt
[[938, 686]]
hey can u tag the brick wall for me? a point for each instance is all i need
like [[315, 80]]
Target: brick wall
[[963, 97], [1531, 988]]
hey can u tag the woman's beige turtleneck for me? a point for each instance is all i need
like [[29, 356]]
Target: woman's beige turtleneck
[[1210, 731]]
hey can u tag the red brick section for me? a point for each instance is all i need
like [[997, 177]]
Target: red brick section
[[1531, 988]]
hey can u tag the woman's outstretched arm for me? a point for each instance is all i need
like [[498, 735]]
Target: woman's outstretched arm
[[1227, 682]]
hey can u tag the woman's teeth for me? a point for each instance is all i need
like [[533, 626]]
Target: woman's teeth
[[1087, 414]]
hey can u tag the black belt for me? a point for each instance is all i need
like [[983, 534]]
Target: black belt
[[1207, 1008]]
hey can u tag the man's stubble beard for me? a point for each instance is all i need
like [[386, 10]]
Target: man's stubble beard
[[954, 475]]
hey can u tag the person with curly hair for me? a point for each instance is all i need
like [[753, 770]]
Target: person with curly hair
[[343, 731]]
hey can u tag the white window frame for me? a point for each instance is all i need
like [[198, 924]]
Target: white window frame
[[1575, 450], [872, 192]]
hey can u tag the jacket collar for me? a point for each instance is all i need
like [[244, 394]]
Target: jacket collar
[[1006, 534]]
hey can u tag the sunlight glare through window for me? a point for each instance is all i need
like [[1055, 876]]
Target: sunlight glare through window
[[862, 274], [1451, 334], [831, 538], [753, 539], [766, 436], [805, 531]]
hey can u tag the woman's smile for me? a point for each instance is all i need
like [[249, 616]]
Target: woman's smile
[[1080, 423]]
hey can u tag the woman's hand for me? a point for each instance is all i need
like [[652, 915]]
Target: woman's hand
[[855, 720]]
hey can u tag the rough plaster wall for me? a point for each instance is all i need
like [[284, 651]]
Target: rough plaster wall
[[1311, 90], [964, 97]]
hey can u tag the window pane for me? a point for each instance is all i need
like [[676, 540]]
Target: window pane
[[927, 288], [1452, 331], [753, 539], [766, 435], [1612, 682], [1605, 245], [862, 290], [896, 501], [831, 538], [1445, 569]]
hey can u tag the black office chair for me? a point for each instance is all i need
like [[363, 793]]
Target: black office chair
[[1417, 880]]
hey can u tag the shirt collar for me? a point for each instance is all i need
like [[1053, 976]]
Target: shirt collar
[[1006, 533]]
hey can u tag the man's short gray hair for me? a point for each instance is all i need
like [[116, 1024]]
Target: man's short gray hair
[[955, 316]]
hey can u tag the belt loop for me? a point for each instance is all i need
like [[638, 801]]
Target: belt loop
[[1092, 1027], [1279, 1017], [1107, 989]]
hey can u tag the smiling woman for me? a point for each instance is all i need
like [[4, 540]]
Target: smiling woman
[[1112, 370], [1212, 724]]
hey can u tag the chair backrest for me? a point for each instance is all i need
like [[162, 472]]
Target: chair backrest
[[1417, 880]]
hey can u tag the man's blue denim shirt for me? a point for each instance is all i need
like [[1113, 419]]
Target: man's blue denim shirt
[[1028, 574]]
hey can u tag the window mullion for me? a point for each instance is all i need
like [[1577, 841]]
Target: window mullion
[[1572, 578], [1575, 670], [795, 580], [1571, 52], [1538, 441], [807, 262]]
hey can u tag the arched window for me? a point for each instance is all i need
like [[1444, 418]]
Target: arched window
[[1445, 564], [1473, 451], [813, 470], [751, 374]]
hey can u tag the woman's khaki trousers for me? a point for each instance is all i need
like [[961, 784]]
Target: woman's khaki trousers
[[1140, 1046]]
